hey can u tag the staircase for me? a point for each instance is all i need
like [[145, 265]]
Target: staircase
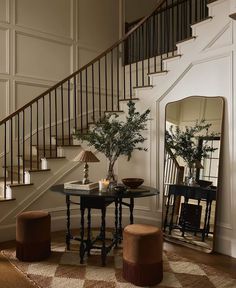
[[42, 126], [132, 67]]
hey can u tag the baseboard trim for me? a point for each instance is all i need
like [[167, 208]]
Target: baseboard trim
[[225, 245], [58, 223]]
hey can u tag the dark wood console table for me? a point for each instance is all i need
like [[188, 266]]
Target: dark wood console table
[[93, 199], [189, 192]]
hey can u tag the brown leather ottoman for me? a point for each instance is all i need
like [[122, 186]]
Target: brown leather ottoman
[[142, 254], [33, 235]]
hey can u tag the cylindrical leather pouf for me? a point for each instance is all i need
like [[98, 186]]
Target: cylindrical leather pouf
[[142, 255], [33, 235]]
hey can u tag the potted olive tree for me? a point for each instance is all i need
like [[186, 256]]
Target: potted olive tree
[[185, 143], [114, 137]]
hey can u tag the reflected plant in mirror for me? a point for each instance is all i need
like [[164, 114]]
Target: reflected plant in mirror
[[185, 143], [193, 141]]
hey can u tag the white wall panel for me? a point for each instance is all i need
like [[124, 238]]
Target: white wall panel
[[47, 16], [42, 58], [212, 111], [4, 10], [101, 21], [187, 113], [4, 48], [86, 55], [142, 8], [25, 92], [4, 98], [4, 94]]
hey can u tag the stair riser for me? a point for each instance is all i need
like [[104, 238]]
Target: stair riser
[[171, 63], [157, 79], [185, 46], [219, 7], [38, 178], [14, 175], [55, 164], [34, 164], [47, 153], [61, 142]]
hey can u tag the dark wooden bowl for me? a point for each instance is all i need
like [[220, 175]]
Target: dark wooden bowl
[[132, 182]]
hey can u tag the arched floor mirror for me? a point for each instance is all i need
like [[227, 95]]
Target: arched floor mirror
[[193, 142]]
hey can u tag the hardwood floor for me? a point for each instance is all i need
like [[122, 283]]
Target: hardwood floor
[[222, 262], [10, 277]]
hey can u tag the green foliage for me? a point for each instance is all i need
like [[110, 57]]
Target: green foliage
[[114, 137], [184, 143]]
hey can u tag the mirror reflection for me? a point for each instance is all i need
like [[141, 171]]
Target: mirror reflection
[[193, 142]]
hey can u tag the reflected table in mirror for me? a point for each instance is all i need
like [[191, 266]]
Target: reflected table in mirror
[[188, 213]]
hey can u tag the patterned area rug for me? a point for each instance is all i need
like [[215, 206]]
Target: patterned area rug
[[62, 270]]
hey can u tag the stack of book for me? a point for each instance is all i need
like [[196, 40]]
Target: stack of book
[[80, 186]]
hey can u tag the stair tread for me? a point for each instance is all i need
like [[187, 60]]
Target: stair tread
[[186, 39], [27, 168], [170, 57], [38, 170], [14, 184], [60, 136], [47, 147], [130, 99], [158, 72], [2, 199], [34, 158], [20, 184], [143, 86], [197, 22], [54, 147], [114, 111]]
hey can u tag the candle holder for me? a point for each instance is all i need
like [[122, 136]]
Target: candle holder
[[103, 185]]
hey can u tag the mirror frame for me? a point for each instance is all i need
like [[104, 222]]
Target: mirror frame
[[168, 237]]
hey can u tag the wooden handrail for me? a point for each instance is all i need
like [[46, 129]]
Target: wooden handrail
[[133, 22], [125, 37]]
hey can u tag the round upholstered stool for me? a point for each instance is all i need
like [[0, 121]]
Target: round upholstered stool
[[33, 235], [142, 254]]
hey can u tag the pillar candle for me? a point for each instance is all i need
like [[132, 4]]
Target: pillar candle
[[44, 164], [27, 177], [8, 192]]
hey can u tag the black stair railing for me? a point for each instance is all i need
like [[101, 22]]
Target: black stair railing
[[84, 96], [167, 26]]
